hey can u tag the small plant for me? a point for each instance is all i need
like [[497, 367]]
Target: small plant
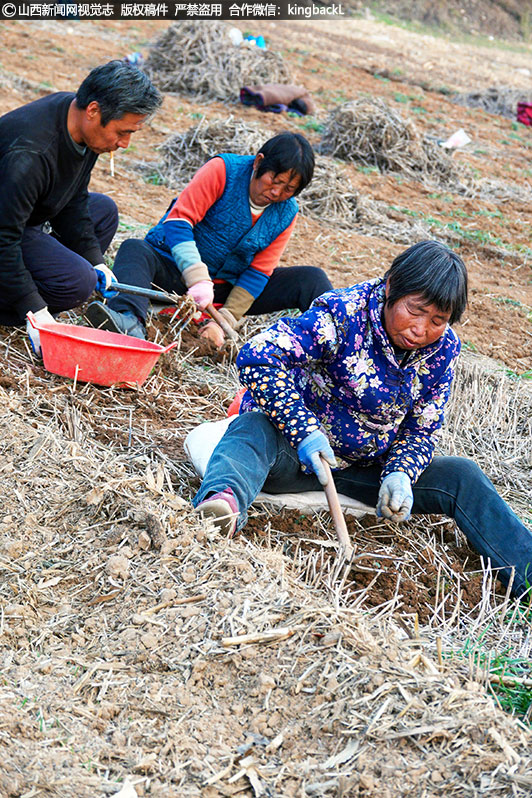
[[491, 214], [459, 212], [125, 227], [312, 124], [155, 178], [406, 211], [368, 170], [506, 300], [513, 692], [514, 375], [340, 97], [435, 222]]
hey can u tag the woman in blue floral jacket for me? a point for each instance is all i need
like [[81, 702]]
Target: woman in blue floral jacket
[[361, 380]]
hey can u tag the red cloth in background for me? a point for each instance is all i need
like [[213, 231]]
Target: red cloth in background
[[524, 113]]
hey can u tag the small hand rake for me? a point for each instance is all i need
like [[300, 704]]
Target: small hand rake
[[185, 307]]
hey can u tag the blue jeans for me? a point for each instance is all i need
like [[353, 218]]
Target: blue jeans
[[253, 455]]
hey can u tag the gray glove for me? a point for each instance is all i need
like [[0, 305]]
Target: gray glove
[[395, 497]]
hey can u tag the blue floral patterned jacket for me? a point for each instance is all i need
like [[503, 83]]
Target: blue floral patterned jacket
[[334, 368]]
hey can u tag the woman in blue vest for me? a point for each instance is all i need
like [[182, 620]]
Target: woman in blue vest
[[221, 241]]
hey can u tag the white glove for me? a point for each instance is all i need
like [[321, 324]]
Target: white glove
[[104, 279], [395, 497], [42, 316]]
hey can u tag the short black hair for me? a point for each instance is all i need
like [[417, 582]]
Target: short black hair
[[433, 270], [288, 152], [119, 88]]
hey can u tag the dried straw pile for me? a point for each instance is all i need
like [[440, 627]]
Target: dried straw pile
[[499, 100], [377, 218], [497, 191], [199, 58], [197, 666], [490, 420], [15, 83], [184, 153], [369, 131], [331, 196]]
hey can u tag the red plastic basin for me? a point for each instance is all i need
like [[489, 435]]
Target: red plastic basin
[[98, 356]]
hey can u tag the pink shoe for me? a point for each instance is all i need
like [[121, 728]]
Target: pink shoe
[[223, 510]]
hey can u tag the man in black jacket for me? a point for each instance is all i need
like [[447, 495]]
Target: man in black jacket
[[53, 232]]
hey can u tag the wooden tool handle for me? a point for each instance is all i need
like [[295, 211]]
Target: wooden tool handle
[[219, 319], [336, 512]]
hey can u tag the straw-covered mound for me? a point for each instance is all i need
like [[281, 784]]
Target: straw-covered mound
[[499, 100], [199, 58], [135, 639], [371, 132], [490, 420], [331, 195], [503, 191], [184, 153]]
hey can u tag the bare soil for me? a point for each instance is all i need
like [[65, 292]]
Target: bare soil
[[506, 19], [341, 61], [92, 540]]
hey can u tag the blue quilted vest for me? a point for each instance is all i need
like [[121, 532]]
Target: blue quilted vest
[[226, 239]]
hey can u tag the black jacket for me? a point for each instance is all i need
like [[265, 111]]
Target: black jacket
[[43, 177]]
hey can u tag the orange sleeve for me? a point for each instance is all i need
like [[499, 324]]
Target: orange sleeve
[[268, 259], [205, 188]]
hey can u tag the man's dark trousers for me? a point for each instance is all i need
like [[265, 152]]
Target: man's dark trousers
[[64, 278]]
